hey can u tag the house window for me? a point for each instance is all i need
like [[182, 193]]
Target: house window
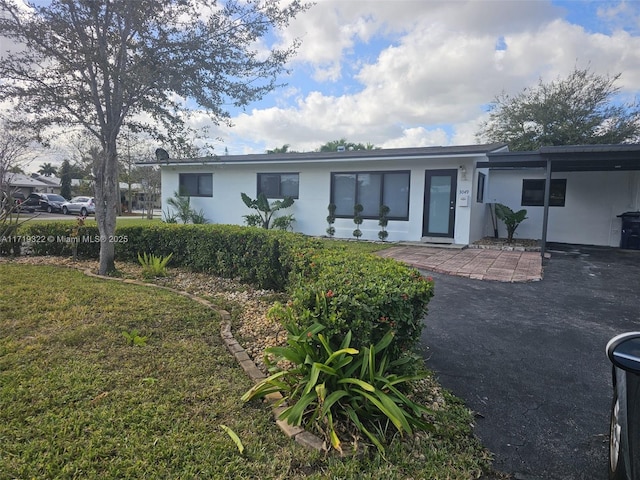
[[533, 193], [371, 189], [196, 184], [278, 185], [480, 190]]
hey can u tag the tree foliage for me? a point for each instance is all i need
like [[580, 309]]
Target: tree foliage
[[333, 146], [65, 179], [283, 149], [581, 109], [101, 65], [14, 151], [47, 170]]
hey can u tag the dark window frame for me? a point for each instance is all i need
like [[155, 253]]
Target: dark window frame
[[482, 180], [279, 174], [373, 172], [557, 196], [197, 176]]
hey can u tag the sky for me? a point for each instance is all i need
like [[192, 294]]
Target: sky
[[416, 73]]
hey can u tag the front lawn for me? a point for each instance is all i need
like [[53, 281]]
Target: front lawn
[[79, 400]]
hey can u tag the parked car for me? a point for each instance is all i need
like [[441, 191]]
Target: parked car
[[13, 202], [624, 440], [20, 202], [18, 197], [81, 205], [48, 202]]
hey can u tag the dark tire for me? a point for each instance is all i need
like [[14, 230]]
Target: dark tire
[[49, 209], [83, 212], [65, 210], [617, 433]]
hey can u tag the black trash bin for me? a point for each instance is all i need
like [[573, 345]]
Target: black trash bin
[[630, 232], [624, 439]]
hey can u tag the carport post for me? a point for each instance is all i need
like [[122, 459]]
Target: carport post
[[545, 218]]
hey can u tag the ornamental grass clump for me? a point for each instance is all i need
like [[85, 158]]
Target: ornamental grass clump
[[154, 265]]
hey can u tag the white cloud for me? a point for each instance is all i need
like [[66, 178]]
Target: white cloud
[[418, 137], [440, 67], [416, 73]]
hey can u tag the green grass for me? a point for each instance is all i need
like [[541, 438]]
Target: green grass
[[360, 246], [77, 400], [91, 220], [136, 221]]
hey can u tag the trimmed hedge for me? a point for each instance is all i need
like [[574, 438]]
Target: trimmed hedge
[[364, 293], [342, 290], [58, 238]]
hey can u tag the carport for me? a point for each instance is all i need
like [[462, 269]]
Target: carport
[[570, 158]]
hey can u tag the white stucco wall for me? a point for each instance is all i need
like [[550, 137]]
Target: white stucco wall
[[310, 209], [479, 210], [593, 201]]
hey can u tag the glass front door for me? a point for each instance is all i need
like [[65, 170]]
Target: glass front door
[[439, 203]]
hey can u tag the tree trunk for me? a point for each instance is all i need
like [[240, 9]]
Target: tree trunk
[[129, 202], [107, 199], [119, 195]]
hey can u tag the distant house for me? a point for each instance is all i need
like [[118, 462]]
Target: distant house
[[25, 184], [138, 196], [53, 183], [435, 194]]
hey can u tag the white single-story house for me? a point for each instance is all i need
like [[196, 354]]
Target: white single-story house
[[435, 194]]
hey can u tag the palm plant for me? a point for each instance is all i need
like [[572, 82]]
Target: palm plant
[[47, 169], [154, 265], [182, 207]]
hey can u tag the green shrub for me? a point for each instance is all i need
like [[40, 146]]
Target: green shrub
[[59, 238], [357, 219], [510, 219], [343, 386], [265, 211], [362, 293], [331, 219], [383, 221]]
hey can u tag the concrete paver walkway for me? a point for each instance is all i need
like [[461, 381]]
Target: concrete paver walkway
[[475, 263]]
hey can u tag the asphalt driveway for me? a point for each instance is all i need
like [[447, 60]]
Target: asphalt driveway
[[529, 358]]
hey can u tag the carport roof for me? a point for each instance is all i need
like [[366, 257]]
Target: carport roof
[[569, 158], [566, 158]]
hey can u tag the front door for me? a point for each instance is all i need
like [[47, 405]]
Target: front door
[[439, 203]]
